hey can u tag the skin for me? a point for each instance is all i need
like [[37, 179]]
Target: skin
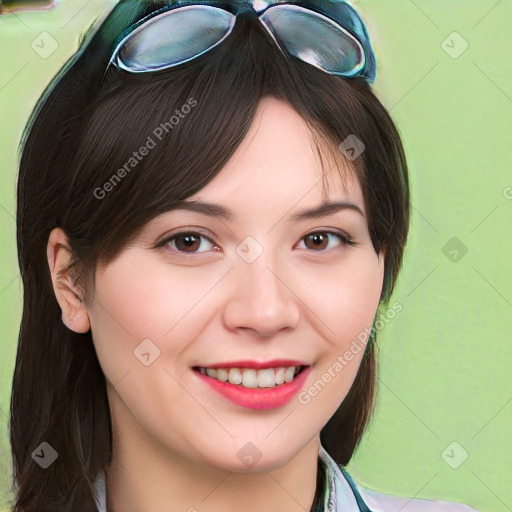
[[175, 439]]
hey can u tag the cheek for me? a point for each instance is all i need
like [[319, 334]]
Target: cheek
[[130, 306], [155, 300], [160, 303], [136, 301], [347, 304], [360, 295], [345, 297]]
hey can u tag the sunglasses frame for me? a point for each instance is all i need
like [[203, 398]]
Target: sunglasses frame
[[340, 9]]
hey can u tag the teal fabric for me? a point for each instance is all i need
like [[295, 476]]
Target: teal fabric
[[360, 502], [333, 475]]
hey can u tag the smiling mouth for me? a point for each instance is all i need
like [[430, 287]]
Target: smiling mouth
[[253, 378]]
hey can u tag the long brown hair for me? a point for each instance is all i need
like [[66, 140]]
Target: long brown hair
[[82, 131]]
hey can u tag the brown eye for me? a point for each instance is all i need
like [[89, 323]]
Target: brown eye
[[319, 241], [188, 242]]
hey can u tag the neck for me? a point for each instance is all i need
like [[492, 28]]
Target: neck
[[146, 476]]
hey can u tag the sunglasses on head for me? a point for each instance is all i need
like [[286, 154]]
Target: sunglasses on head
[[329, 35]]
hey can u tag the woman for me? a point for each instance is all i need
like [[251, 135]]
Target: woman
[[212, 208]]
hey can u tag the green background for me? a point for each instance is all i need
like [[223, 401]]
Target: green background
[[446, 358]]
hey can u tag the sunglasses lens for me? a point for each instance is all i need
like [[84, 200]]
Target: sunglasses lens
[[174, 37], [315, 39]]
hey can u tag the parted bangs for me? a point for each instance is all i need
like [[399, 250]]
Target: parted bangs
[[154, 140]]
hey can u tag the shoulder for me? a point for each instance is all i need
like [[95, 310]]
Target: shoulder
[[379, 502], [349, 494]]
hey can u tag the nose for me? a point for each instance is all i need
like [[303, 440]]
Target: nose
[[260, 300]]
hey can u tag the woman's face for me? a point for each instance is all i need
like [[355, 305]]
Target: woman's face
[[258, 285]]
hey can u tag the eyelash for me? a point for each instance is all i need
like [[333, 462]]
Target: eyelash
[[345, 240]]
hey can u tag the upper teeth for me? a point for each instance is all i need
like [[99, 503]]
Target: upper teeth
[[251, 378]]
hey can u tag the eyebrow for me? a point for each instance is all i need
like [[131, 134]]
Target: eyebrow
[[217, 210]]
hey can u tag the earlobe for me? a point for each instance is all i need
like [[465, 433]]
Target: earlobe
[[69, 297]]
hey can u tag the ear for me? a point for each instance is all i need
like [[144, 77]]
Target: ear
[[69, 296]]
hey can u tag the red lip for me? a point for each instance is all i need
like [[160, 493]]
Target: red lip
[[274, 363], [258, 398]]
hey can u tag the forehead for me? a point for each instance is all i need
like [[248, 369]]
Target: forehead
[[283, 158]]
